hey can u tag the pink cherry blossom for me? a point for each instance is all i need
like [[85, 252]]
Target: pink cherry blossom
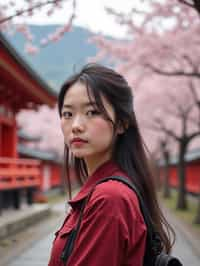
[[31, 49], [28, 9]]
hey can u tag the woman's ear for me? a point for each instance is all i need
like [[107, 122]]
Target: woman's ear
[[122, 127]]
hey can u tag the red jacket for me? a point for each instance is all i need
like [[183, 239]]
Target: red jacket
[[112, 231]]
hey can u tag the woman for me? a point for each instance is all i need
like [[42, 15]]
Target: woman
[[102, 139]]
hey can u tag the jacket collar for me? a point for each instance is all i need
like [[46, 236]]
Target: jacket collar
[[106, 169]]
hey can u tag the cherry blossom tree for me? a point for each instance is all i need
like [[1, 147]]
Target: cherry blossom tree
[[9, 11], [175, 117], [169, 113], [164, 40], [192, 3], [44, 123]]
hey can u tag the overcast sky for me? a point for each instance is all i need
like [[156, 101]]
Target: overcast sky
[[90, 13]]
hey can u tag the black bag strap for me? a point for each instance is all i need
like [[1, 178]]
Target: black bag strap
[[143, 208], [72, 237], [153, 243], [154, 254]]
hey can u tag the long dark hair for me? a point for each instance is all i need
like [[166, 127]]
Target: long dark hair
[[129, 150]]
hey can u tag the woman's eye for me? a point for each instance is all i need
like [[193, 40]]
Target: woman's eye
[[66, 114], [92, 112]]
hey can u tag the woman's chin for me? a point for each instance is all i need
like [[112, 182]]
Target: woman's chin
[[80, 155]]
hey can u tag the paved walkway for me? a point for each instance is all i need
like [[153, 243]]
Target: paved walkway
[[12, 221], [38, 254], [183, 251]]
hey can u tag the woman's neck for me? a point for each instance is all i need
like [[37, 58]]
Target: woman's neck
[[92, 164]]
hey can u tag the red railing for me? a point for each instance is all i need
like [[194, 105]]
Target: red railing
[[19, 173]]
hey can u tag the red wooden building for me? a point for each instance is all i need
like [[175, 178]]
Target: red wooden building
[[50, 163], [192, 171], [20, 88]]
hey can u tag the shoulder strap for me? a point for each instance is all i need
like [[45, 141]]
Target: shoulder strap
[[143, 208], [154, 244]]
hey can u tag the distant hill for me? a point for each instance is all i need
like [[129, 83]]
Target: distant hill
[[56, 61]]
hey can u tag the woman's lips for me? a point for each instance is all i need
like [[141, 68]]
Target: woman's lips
[[78, 142]]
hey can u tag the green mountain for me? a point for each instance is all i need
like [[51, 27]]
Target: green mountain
[[58, 60]]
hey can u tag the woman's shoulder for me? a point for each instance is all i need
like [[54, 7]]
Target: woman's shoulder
[[117, 197], [114, 189]]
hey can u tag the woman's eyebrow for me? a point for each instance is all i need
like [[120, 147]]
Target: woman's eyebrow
[[86, 104]]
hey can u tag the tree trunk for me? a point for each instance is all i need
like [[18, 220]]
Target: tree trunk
[[16, 198], [63, 180], [1, 201], [166, 170], [197, 217], [181, 201], [156, 172], [166, 188], [29, 195]]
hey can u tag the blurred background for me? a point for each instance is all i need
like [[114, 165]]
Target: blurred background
[[155, 44]]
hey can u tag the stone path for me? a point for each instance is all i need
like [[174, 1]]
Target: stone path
[[38, 254]]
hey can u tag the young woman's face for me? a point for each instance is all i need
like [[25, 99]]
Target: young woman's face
[[86, 132]]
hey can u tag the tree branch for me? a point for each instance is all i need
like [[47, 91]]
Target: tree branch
[[186, 3], [159, 126], [21, 12], [194, 135], [195, 97], [195, 5], [180, 110], [174, 73], [190, 62], [194, 93]]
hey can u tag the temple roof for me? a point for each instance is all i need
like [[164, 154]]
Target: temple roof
[[25, 136], [20, 86], [37, 154]]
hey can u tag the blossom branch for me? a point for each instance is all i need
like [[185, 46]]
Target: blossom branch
[[29, 9], [173, 73]]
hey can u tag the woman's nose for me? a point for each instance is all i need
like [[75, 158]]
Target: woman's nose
[[78, 124]]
